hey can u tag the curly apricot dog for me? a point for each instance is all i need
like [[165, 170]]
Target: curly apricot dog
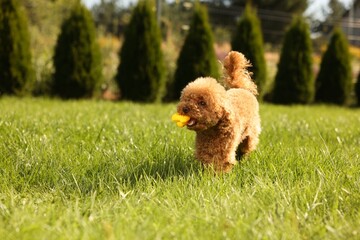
[[226, 122]]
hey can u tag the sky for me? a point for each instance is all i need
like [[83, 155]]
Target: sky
[[315, 6], [90, 3]]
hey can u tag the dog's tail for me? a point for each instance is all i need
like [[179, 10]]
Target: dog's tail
[[236, 73]]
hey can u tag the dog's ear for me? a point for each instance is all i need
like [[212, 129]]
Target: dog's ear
[[224, 113]]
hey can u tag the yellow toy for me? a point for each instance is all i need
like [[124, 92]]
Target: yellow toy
[[181, 120]]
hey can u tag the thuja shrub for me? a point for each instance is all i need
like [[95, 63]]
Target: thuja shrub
[[77, 58], [357, 90], [249, 41], [141, 71], [16, 72], [197, 56], [334, 81], [294, 81]]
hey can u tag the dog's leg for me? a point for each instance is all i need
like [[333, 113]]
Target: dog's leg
[[227, 167], [246, 146]]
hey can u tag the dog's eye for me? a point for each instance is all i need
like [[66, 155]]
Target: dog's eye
[[202, 103]]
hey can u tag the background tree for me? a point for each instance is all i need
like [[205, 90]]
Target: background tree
[[108, 15], [294, 82], [16, 73], [141, 72], [248, 40], [275, 15], [77, 59], [334, 13], [334, 81], [197, 56]]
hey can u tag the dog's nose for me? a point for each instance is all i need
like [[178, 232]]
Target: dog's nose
[[186, 109]]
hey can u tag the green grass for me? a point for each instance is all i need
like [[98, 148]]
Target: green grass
[[100, 170]]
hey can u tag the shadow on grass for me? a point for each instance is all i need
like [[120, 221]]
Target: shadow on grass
[[164, 169]]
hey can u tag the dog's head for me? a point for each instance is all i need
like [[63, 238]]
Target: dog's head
[[203, 101]]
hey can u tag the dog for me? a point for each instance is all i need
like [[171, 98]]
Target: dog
[[226, 120]]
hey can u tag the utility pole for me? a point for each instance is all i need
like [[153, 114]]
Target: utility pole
[[158, 12], [351, 21]]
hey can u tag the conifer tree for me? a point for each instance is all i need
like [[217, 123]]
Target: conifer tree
[[16, 73], [248, 40], [294, 82], [334, 81], [141, 72], [77, 58], [197, 56]]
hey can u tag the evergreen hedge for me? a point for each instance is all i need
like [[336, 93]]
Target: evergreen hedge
[[334, 81], [77, 58], [141, 72], [16, 73], [294, 81], [197, 56], [248, 40]]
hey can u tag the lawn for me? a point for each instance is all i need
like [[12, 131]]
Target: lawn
[[101, 170]]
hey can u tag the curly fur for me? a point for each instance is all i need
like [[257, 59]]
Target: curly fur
[[226, 122]]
